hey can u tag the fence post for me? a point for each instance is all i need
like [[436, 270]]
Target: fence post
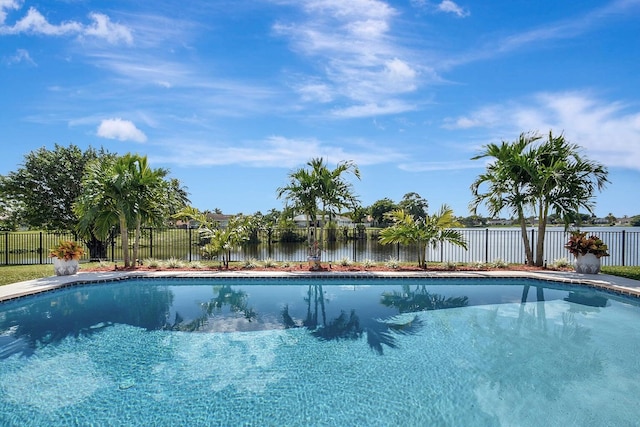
[[355, 240], [190, 245], [486, 245], [41, 249], [6, 248], [150, 242], [113, 245], [623, 246]]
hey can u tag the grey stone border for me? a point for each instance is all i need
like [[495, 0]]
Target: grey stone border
[[610, 284]]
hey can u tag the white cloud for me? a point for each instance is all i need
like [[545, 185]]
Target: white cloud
[[450, 7], [35, 23], [609, 131], [21, 56], [373, 109], [103, 28], [361, 61], [123, 130], [275, 151], [7, 5], [439, 166]]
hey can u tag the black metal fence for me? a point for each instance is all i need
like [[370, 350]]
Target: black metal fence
[[484, 245]]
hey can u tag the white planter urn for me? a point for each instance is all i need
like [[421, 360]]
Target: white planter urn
[[587, 264], [65, 268]]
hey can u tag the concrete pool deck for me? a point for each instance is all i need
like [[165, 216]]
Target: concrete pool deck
[[614, 284]]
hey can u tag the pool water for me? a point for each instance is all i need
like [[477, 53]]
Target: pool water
[[343, 352]]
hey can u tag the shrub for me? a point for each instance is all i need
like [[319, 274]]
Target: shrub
[[270, 263], [392, 263], [250, 263], [345, 262]]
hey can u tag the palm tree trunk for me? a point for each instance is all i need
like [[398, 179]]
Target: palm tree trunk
[[525, 237], [136, 241], [542, 228], [124, 232]]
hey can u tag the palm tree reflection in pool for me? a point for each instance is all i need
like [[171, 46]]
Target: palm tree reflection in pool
[[379, 333]]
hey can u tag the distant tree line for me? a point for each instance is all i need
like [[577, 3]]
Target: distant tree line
[[94, 193]]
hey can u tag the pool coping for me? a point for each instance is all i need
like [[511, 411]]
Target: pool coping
[[613, 284]]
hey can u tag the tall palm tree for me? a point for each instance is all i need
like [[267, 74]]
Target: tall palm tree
[[550, 176], [124, 192], [506, 180], [562, 181], [301, 196], [318, 185], [429, 231]]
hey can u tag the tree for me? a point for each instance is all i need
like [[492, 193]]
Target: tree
[[223, 240], [124, 192], [379, 209], [318, 189], [549, 177], [47, 184], [41, 193], [431, 230], [414, 205], [506, 177]]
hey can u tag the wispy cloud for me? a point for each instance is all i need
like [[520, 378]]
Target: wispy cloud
[[449, 6], [444, 6], [439, 166], [563, 29], [357, 59], [34, 22], [609, 131], [21, 56], [123, 130], [275, 151]]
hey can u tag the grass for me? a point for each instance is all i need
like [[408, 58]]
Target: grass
[[18, 273], [627, 271]]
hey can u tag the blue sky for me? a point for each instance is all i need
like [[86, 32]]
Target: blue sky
[[233, 95]]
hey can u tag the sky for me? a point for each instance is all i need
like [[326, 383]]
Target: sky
[[232, 96]]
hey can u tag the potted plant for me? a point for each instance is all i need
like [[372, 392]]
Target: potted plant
[[588, 249], [66, 257]]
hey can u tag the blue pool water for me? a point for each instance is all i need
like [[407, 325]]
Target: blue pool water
[[335, 352]]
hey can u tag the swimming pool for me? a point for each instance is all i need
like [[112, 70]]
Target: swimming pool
[[339, 351]]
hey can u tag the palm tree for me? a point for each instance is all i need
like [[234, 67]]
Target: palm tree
[[432, 230], [316, 185], [563, 181], [124, 192], [552, 176], [507, 177]]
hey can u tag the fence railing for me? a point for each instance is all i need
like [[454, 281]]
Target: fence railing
[[483, 245]]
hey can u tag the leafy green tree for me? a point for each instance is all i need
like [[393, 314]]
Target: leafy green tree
[[431, 230], [635, 221], [41, 193], [379, 209], [414, 205], [47, 184]]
